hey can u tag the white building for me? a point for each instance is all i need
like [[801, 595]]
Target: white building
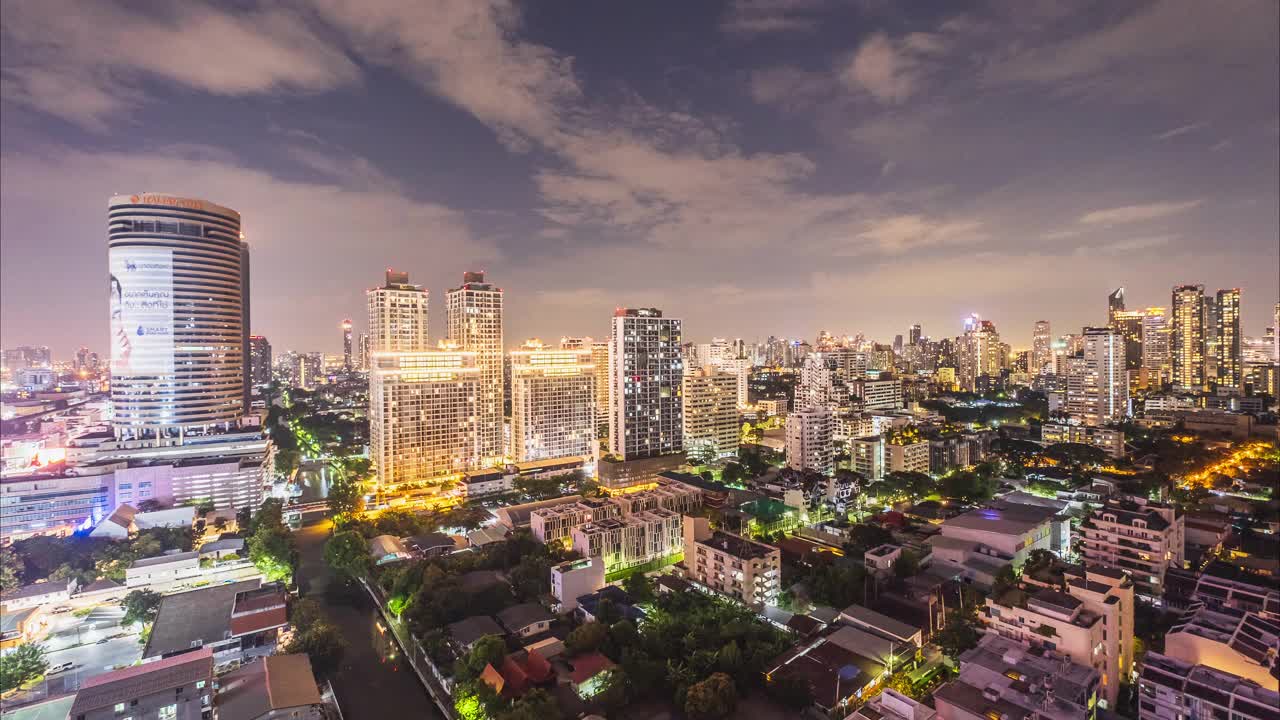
[[1105, 379], [908, 456], [553, 413], [1012, 530], [1173, 689], [745, 570], [881, 394], [646, 410], [398, 315], [572, 579], [1138, 537], [423, 414], [711, 417], [475, 324], [866, 455], [809, 444], [631, 540]]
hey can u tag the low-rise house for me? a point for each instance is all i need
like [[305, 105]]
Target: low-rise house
[[517, 673], [21, 627], [468, 631], [102, 590], [588, 672], [37, 594], [277, 687], [834, 673], [880, 560], [126, 520], [526, 619], [238, 621], [869, 620], [430, 545], [175, 688], [893, 705], [163, 569], [222, 548], [572, 579], [385, 549], [588, 609]]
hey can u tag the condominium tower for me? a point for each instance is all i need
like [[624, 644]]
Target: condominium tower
[[1041, 351], [553, 409], [398, 315], [711, 426], [1186, 342], [646, 412], [475, 324], [1230, 364], [1105, 381]]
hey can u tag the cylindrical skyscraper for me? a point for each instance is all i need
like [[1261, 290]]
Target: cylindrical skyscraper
[[179, 314]]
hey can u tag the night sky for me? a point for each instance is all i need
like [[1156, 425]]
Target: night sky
[[764, 167]]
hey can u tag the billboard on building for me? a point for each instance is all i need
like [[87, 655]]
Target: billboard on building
[[141, 311]]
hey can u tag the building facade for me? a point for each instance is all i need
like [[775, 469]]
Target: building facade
[[475, 324], [179, 315], [259, 360], [553, 402], [1227, 349], [711, 429], [398, 315], [1187, 338], [809, 440], [1105, 382], [646, 409], [745, 570], [1137, 537]]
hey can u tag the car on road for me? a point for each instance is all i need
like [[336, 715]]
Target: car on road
[[62, 609], [60, 667], [103, 640]]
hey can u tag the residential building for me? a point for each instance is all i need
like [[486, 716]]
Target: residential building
[[398, 315], [1155, 346], [572, 579], [979, 353], [475, 324], [907, 455], [259, 360], [884, 393], [423, 414], [1107, 439], [279, 687], [1001, 679], [600, 369], [893, 705], [525, 619], [1228, 353], [556, 523], [1172, 689], [37, 594], [1041, 353], [748, 571], [867, 456], [652, 536], [1090, 620], [1244, 644], [553, 403], [1187, 338], [646, 409], [711, 419], [179, 316], [175, 688], [1104, 379], [809, 442], [467, 632], [1140, 538]]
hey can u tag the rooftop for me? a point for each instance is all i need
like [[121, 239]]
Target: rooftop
[[864, 616], [519, 617], [34, 590], [202, 616], [469, 630], [737, 545], [165, 559], [102, 691], [276, 683], [1010, 519]]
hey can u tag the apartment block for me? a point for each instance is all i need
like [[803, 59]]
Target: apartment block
[[866, 456], [1140, 538], [553, 403], [908, 456], [1001, 679], [1243, 644], [1172, 689], [631, 540], [711, 419], [743, 569], [1106, 439]]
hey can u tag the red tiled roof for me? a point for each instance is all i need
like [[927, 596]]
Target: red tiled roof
[[259, 621], [588, 666]]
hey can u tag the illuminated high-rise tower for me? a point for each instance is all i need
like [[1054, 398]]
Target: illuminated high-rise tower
[[1041, 350], [646, 412], [398, 315], [346, 345], [1186, 346], [475, 324], [553, 407], [1155, 346], [179, 315], [1105, 381], [1230, 363]]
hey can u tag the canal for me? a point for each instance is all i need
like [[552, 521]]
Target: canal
[[374, 683]]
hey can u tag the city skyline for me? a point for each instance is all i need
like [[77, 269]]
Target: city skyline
[[773, 168]]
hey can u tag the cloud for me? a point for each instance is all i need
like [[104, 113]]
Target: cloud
[[1130, 245], [1136, 213], [900, 233], [890, 70], [86, 61], [749, 18], [1179, 131]]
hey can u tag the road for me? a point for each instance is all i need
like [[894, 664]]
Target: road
[[374, 683], [78, 640]]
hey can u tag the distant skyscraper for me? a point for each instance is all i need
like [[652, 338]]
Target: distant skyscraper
[[1230, 364], [179, 315], [711, 426], [600, 363], [645, 409], [915, 334], [809, 440], [1186, 347], [1115, 304], [1041, 352], [897, 344], [980, 352], [1106, 381], [475, 324], [398, 315], [347, 348], [1155, 345], [364, 352], [422, 408], [259, 360], [553, 407]]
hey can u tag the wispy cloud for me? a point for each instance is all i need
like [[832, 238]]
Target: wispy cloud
[[1136, 213], [758, 17], [1183, 130]]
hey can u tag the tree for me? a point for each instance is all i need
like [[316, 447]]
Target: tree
[[537, 704], [908, 564], [10, 570], [488, 650], [318, 638], [1037, 560], [271, 544], [21, 666], [345, 498], [712, 698], [960, 632], [347, 552], [150, 506], [586, 637], [791, 690], [140, 606], [639, 587]]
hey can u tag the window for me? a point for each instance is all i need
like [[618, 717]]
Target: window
[[168, 712], [119, 707], [199, 684]]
